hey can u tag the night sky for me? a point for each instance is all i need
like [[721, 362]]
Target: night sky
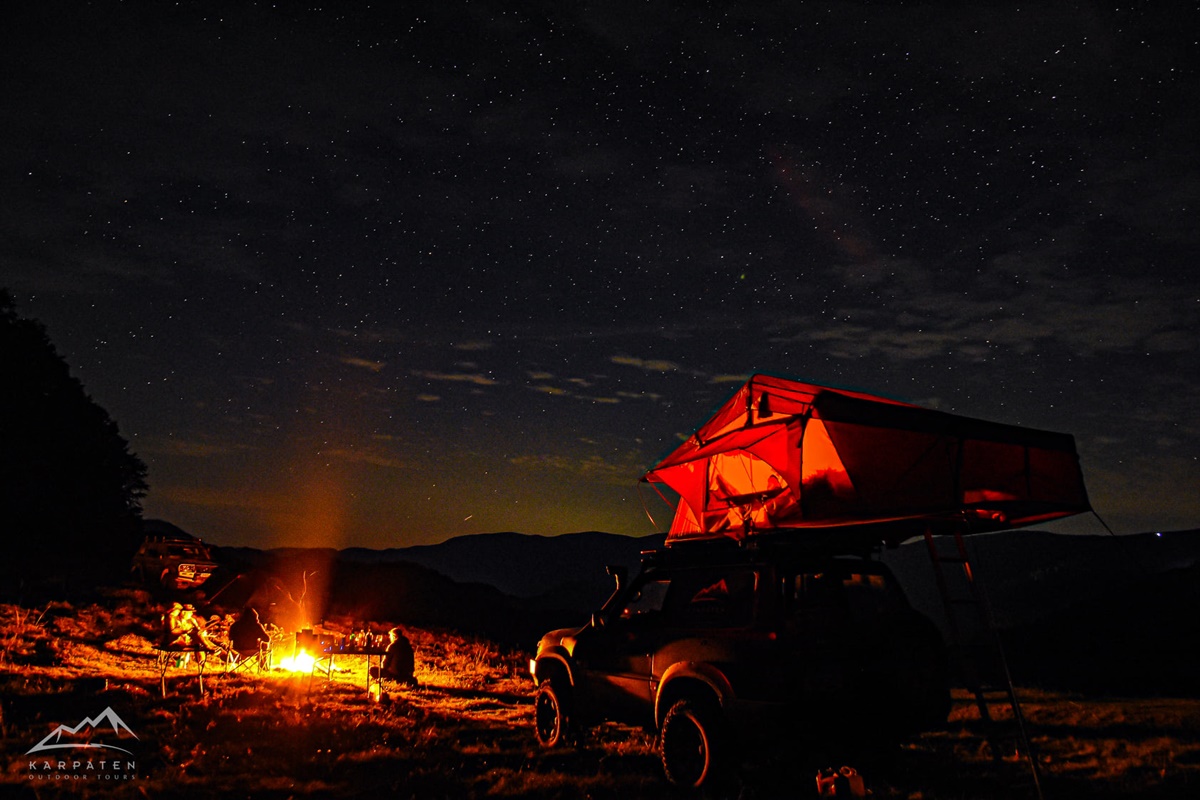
[[361, 276]]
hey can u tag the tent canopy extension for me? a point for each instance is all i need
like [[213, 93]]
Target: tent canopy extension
[[781, 454]]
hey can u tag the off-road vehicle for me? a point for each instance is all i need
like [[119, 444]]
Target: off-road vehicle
[[716, 641], [174, 560]]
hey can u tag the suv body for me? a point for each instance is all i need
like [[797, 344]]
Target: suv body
[[176, 560], [716, 638]]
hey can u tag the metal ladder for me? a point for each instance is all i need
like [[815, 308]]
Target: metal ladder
[[973, 655]]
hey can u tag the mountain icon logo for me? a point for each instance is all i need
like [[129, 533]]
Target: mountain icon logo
[[55, 739]]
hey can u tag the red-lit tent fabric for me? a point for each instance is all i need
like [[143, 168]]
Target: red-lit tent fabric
[[781, 454]]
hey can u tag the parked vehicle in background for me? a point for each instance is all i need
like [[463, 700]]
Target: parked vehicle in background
[[718, 642], [175, 560]]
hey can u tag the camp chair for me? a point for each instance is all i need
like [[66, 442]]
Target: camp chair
[[261, 660]]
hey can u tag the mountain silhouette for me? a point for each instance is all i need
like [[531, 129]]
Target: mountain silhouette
[[522, 565], [53, 740]]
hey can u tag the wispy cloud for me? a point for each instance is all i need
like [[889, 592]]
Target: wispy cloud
[[650, 365], [191, 448], [373, 366], [374, 459], [460, 377], [591, 467], [473, 346], [216, 497]]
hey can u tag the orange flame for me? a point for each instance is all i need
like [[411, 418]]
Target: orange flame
[[301, 662]]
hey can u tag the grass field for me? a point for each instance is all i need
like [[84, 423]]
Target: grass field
[[466, 731]]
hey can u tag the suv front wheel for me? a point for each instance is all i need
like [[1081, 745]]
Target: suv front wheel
[[691, 742], [550, 714]]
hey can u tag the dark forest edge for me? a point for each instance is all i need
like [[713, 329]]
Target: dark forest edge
[[70, 488]]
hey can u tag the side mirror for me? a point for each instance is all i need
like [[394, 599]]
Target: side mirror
[[597, 619]]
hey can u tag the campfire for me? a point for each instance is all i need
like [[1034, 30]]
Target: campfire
[[312, 646], [309, 647], [299, 662]]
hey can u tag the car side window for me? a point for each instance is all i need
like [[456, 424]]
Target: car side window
[[648, 598], [860, 595], [713, 599]]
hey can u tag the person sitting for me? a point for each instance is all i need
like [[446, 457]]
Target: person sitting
[[183, 631], [194, 636], [247, 634], [174, 633], [399, 660]]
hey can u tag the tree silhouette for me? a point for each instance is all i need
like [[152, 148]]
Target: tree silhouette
[[70, 489]]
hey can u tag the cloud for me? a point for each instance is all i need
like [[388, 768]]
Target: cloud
[[473, 345], [590, 467], [640, 395], [649, 365], [209, 497], [460, 377], [365, 457], [373, 366], [191, 448]]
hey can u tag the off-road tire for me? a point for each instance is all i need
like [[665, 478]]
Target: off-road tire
[[551, 720], [692, 744]]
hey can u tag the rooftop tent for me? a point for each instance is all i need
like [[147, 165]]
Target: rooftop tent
[[781, 454]]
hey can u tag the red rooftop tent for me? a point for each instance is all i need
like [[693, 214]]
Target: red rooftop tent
[[781, 454]]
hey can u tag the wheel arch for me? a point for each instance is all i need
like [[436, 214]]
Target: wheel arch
[[697, 680], [554, 663]]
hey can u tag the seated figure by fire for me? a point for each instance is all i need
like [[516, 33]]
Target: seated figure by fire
[[184, 631], [249, 637], [399, 660]]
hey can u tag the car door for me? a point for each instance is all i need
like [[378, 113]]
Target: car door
[[616, 656]]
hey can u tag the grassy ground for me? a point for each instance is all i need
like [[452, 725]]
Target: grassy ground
[[466, 731]]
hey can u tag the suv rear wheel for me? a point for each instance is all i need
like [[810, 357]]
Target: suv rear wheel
[[691, 744], [551, 721]]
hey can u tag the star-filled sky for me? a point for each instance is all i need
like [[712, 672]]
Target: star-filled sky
[[381, 275]]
